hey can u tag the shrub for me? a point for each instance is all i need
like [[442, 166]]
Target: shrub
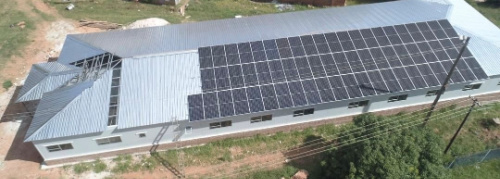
[[99, 166], [7, 84], [81, 168]]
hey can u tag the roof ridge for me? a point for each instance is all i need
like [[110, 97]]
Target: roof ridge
[[28, 137]]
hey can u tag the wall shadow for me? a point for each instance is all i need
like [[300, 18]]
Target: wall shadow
[[20, 150], [164, 162]]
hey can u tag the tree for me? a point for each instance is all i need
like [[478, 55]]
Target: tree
[[409, 153]]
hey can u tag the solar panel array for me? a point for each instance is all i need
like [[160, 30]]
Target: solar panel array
[[311, 69]]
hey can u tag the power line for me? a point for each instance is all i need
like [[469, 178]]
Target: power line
[[378, 124], [311, 152]]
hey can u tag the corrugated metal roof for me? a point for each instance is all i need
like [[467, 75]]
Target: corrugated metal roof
[[154, 89], [181, 37], [485, 36], [45, 77], [74, 110], [75, 49]]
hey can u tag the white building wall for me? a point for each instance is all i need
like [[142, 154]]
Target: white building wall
[[86, 144]]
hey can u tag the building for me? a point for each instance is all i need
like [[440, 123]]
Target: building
[[118, 91]]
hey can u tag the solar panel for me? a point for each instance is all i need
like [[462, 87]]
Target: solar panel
[[311, 69]]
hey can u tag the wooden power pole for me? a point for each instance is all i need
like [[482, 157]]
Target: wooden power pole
[[474, 103], [446, 81]]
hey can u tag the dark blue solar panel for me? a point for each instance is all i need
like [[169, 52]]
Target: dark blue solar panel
[[211, 111], [270, 44], [231, 49], [298, 51], [319, 39], [205, 52], [256, 105], [270, 103], [327, 67], [327, 95], [244, 47], [259, 56], [299, 99], [241, 107], [226, 109], [285, 101], [206, 62], [257, 46], [272, 54]]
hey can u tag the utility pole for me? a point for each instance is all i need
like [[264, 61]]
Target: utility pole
[[474, 103], [446, 81]]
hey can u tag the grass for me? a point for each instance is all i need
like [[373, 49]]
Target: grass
[[97, 167], [12, 39], [358, 2], [125, 12], [490, 9], [489, 169]]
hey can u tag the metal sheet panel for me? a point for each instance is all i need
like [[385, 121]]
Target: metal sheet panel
[[75, 49], [74, 110], [45, 77], [189, 36], [154, 89]]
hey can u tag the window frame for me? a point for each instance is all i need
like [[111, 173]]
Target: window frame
[[261, 118], [402, 97], [303, 112], [432, 92], [358, 104], [59, 147], [472, 86], [220, 124], [109, 141]]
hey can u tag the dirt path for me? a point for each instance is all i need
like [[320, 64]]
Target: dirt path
[[18, 159]]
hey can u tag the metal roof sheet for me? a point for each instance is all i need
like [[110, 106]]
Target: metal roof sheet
[[45, 77], [154, 89], [73, 110], [75, 49], [189, 36]]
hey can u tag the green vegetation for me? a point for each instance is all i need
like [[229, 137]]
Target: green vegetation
[[490, 9], [489, 169], [7, 84], [123, 164], [97, 167], [411, 152], [285, 172], [124, 12], [357, 2], [13, 37]]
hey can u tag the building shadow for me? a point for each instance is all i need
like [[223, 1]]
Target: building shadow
[[14, 111], [20, 150], [18, 113], [164, 162]]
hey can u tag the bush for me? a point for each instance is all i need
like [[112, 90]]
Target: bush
[[99, 166], [81, 168], [7, 84]]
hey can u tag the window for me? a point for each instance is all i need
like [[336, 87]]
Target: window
[[471, 87], [142, 134], [112, 121], [261, 118], [188, 129], [59, 147], [432, 93], [216, 125], [398, 98], [303, 112], [358, 104], [108, 140]]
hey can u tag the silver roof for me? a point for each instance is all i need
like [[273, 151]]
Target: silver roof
[[45, 77], [154, 89], [74, 110], [190, 36], [75, 49]]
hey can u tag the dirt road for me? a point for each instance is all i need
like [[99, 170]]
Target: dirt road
[[17, 159]]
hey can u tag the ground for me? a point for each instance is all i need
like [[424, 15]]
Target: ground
[[47, 24]]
